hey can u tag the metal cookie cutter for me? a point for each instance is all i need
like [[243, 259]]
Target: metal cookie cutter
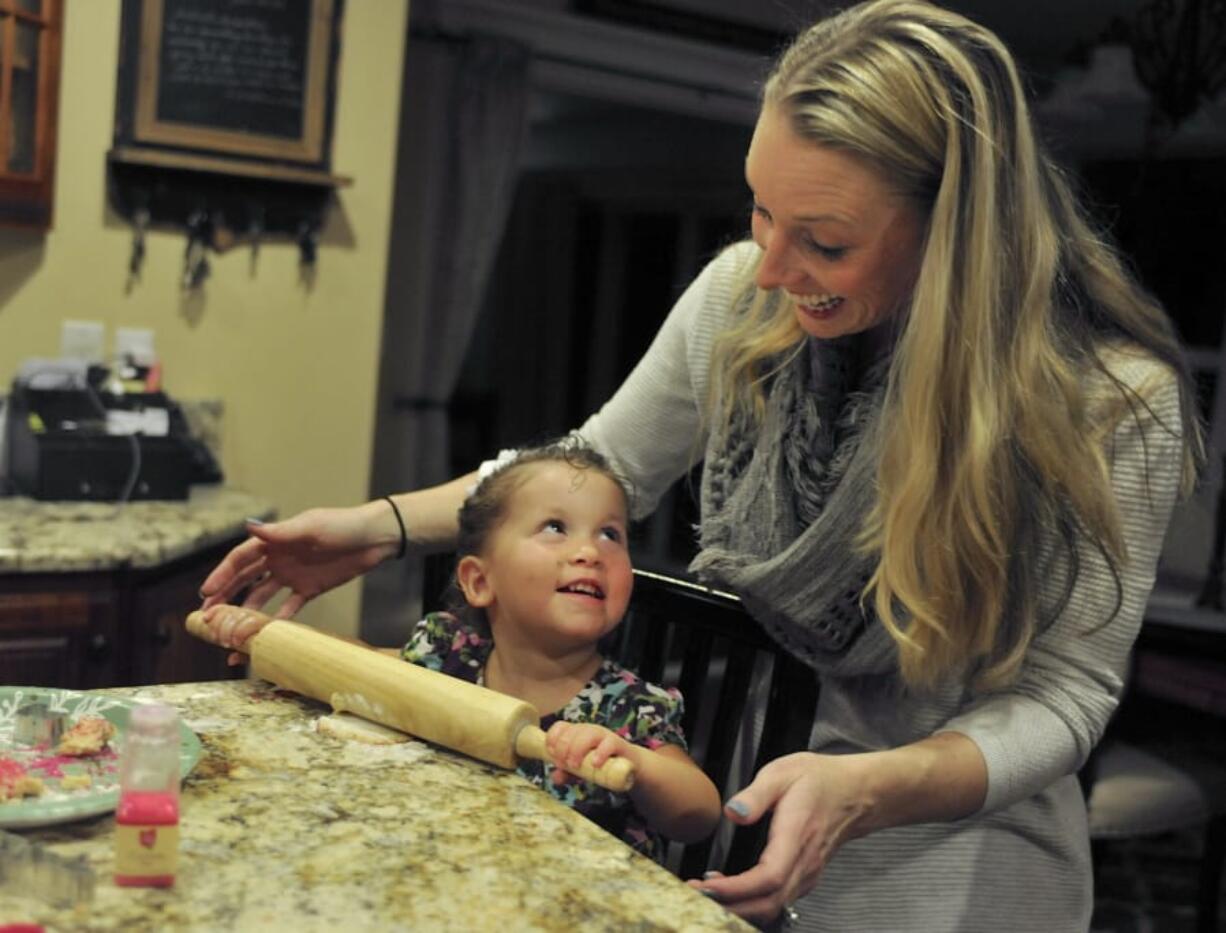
[[29, 869], [36, 726]]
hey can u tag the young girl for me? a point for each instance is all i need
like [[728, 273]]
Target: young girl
[[544, 572]]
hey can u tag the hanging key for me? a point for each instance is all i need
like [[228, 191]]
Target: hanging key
[[140, 224], [307, 245], [195, 258], [255, 232]]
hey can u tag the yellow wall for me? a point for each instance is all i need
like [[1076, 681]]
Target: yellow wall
[[295, 367]]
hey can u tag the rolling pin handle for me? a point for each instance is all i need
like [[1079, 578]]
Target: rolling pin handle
[[616, 774], [196, 625]]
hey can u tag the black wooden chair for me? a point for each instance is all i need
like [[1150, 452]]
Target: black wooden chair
[[702, 641], [680, 634], [1160, 768]]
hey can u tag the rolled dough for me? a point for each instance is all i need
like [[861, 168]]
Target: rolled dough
[[356, 729]]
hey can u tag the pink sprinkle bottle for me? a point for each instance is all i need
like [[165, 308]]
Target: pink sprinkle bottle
[[147, 819]]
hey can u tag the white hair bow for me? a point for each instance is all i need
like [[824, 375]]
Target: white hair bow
[[489, 467]]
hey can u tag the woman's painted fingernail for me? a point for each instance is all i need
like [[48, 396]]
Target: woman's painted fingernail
[[250, 520], [707, 892], [737, 807], [707, 875]]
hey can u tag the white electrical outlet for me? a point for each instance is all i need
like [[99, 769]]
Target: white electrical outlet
[[83, 340], [135, 343]]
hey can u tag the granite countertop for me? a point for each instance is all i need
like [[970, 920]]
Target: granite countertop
[[53, 537], [285, 828]]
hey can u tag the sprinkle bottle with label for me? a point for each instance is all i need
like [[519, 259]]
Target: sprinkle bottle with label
[[147, 819]]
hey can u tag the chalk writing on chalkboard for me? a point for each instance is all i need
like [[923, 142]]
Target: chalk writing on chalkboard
[[237, 66], [244, 76]]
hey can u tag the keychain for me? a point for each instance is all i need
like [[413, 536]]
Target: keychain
[[140, 224], [195, 258], [255, 230]]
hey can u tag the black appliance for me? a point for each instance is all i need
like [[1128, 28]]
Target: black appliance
[[60, 444]]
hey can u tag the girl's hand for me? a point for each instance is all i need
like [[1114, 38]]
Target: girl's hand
[[568, 743], [816, 802], [232, 626]]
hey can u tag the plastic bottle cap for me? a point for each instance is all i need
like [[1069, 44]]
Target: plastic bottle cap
[[152, 717]]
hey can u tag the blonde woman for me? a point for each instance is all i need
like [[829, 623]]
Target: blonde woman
[[943, 430]]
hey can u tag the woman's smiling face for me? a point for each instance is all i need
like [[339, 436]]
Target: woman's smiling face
[[834, 235]]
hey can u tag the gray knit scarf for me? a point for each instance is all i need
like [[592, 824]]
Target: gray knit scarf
[[782, 505]]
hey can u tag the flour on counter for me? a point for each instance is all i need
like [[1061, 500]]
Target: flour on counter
[[406, 753]]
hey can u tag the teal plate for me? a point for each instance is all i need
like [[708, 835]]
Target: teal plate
[[102, 795]]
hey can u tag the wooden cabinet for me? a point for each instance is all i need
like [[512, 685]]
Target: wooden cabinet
[[30, 32], [159, 600], [58, 632], [116, 628]]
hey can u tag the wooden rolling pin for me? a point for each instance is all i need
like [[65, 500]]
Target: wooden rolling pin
[[468, 718]]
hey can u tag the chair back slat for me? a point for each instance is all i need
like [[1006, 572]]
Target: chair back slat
[[786, 727], [790, 709], [654, 656], [694, 859], [436, 576], [729, 713], [714, 653], [695, 662]]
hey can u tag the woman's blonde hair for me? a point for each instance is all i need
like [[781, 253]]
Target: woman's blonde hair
[[992, 435]]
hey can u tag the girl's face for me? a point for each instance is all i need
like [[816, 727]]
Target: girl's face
[[833, 234], [557, 570]]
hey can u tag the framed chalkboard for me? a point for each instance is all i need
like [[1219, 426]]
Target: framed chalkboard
[[245, 78]]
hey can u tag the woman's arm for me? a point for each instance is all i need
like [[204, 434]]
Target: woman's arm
[[653, 428], [430, 515], [1045, 725], [942, 777], [319, 549]]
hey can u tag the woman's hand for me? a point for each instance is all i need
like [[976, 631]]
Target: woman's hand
[[817, 801], [568, 743], [309, 554], [822, 801]]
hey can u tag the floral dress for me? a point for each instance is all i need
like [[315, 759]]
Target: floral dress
[[618, 699]]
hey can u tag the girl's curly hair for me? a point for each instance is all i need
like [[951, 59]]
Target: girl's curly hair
[[486, 506]]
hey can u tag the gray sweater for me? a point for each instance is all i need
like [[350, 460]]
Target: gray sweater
[[1022, 862]]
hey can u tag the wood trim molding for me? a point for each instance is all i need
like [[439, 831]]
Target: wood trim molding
[[610, 61], [308, 147]]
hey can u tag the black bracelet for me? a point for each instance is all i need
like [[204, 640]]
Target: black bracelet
[[404, 535]]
